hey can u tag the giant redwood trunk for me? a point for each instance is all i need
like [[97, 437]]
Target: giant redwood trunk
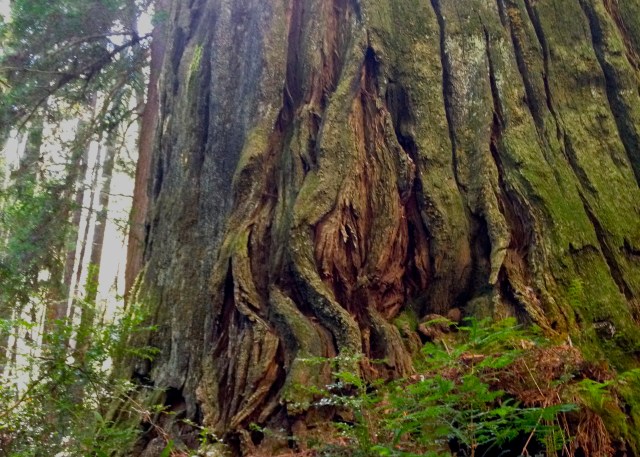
[[323, 166]]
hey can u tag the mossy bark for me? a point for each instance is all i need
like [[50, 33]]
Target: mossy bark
[[322, 166]]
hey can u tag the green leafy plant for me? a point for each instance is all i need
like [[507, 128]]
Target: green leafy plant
[[57, 403], [453, 403]]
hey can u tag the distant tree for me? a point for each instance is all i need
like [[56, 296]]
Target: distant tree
[[81, 60], [70, 65], [148, 125]]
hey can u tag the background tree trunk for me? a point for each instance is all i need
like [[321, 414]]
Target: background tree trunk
[[140, 205], [323, 166], [90, 307]]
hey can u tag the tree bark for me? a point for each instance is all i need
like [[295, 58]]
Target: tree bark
[[323, 166], [140, 205]]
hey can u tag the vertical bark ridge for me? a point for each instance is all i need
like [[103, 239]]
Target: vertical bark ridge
[[544, 46], [471, 117], [620, 78], [624, 15], [609, 256], [516, 282], [447, 85]]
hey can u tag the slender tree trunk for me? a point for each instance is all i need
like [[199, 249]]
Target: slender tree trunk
[[112, 148], [82, 261], [82, 148], [324, 166], [27, 173], [76, 217], [67, 213], [88, 316], [140, 204]]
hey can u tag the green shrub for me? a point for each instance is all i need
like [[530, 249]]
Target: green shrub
[[55, 404], [453, 403]]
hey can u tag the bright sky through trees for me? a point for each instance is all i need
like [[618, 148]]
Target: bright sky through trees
[[4, 8]]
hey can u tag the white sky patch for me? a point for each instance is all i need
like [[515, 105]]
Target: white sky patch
[[145, 23], [144, 27], [4, 9]]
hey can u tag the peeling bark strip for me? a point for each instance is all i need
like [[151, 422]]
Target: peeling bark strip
[[323, 166]]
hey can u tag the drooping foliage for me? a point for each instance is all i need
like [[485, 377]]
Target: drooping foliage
[[71, 49]]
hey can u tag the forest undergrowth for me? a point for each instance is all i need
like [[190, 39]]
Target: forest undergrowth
[[480, 388], [61, 397]]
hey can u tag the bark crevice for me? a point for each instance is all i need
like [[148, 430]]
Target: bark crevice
[[607, 252], [617, 82], [544, 47]]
